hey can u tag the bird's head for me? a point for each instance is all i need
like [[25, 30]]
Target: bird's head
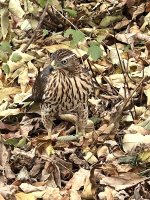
[[65, 59]]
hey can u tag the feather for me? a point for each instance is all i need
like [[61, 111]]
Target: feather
[[40, 83]]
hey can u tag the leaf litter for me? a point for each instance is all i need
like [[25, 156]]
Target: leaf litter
[[112, 162]]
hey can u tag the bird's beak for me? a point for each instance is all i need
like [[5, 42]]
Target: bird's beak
[[54, 64]]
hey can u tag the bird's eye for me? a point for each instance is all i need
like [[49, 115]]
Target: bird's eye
[[64, 62]]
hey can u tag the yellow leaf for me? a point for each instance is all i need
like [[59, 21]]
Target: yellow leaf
[[8, 112], [55, 47], [15, 8], [4, 22], [23, 196], [145, 156], [6, 92], [49, 150], [1, 197]]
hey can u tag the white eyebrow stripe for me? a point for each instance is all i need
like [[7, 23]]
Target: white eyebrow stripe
[[70, 56]]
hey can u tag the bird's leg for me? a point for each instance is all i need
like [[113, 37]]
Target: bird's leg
[[48, 123], [49, 129], [82, 117]]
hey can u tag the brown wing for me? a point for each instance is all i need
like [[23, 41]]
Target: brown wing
[[40, 84]]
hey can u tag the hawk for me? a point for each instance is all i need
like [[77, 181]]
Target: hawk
[[63, 89]]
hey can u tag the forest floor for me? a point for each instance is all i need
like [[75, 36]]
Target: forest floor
[[113, 160]]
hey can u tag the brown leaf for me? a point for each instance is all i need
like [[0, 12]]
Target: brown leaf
[[107, 194], [23, 175], [7, 191], [74, 195], [140, 9], [52, 193], [122, 24], [8, 172], [123, 181], [4, 155], [78, 179], [9, 127], [25, 187]]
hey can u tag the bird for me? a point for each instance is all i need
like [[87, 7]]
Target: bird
[[63, 88]]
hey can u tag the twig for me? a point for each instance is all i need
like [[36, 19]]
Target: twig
[[109, 83], [75, 27], [126, 82], [125, 74], [114, 123], [143, 74], [67, 138], [38, 26], [130, 97], [49, 24], [104, 79], [54, 18]]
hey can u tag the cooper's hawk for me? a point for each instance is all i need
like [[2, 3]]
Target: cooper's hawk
[[63, 90]]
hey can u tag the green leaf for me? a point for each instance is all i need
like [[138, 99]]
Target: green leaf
[[95, 120], [71, 13], [127, 47], [11, 141], [69, 32], [45, 32], [77, 36], [21, 142], [16, 57], [3, 56], [5, 46], [42, 3], [6, 68], [95, 52], [108, 20]]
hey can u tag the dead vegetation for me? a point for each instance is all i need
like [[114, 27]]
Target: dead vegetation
[[113, 160]]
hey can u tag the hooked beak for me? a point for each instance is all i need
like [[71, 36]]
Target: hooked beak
[[53, 63]]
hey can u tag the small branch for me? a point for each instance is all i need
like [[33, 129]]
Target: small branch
[[48, 24], [130, 97], [104, 79], [54, 18], [114, 123], [67, 138], [67, 20], [125, 75], [113, 88], [38, 26], [126, 81]]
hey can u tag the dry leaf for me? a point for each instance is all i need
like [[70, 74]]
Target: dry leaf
[[23, 196], [123, 181], [131, 141], [4, 22], [78, 179], [15, 8]]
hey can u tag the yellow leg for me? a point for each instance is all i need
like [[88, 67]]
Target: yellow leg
[[49, 134], [50, 149]]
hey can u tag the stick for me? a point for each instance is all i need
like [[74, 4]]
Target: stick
[[38, 26]]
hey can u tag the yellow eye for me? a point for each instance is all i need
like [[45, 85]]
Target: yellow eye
[[63, 62]]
